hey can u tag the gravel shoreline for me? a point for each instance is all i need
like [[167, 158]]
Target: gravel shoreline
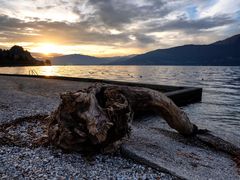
[[45, 163], [22, 97]]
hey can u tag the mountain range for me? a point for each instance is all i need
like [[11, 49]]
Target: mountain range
[[220, 53], [79, 59]]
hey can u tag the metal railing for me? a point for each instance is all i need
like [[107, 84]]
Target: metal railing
[[32, 72]]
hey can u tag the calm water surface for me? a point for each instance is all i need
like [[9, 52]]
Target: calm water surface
[[220, 106]]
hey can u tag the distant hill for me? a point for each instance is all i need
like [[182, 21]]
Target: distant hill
[[17, 56], [79, 59], [75, 59], [220, 53]]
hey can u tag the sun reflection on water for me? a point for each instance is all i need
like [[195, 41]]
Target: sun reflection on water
[[47, 70]]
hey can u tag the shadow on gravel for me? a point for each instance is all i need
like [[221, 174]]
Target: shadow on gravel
[[28, 132]]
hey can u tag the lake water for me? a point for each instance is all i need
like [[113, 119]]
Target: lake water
[[220, 106]]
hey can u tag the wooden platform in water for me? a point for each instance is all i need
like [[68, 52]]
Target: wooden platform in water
[[179, 94]]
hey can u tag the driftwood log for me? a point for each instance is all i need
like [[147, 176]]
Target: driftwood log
[[100, 116]]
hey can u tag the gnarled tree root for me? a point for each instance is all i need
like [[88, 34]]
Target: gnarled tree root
[[100, 116]]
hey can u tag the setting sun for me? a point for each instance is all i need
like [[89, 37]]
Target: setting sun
[[46, 48]]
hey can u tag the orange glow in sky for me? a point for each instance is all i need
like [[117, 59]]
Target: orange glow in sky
[[46, 48], [95, 50], [114, 28]]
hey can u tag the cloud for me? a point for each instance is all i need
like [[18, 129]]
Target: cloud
[[114, 13], [220, 7], [68, 33], [142, 24], [182, 23], [45, 7]]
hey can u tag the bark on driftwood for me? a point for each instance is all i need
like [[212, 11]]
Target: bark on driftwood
[[100, 116]]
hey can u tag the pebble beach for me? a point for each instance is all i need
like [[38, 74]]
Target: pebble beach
[[24, 97]]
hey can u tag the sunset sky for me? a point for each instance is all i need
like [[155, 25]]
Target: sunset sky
[[114, 27]]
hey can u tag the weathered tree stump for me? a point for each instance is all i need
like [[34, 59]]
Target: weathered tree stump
[[100, 116]]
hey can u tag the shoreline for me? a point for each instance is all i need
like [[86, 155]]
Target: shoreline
[[24, 97]]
